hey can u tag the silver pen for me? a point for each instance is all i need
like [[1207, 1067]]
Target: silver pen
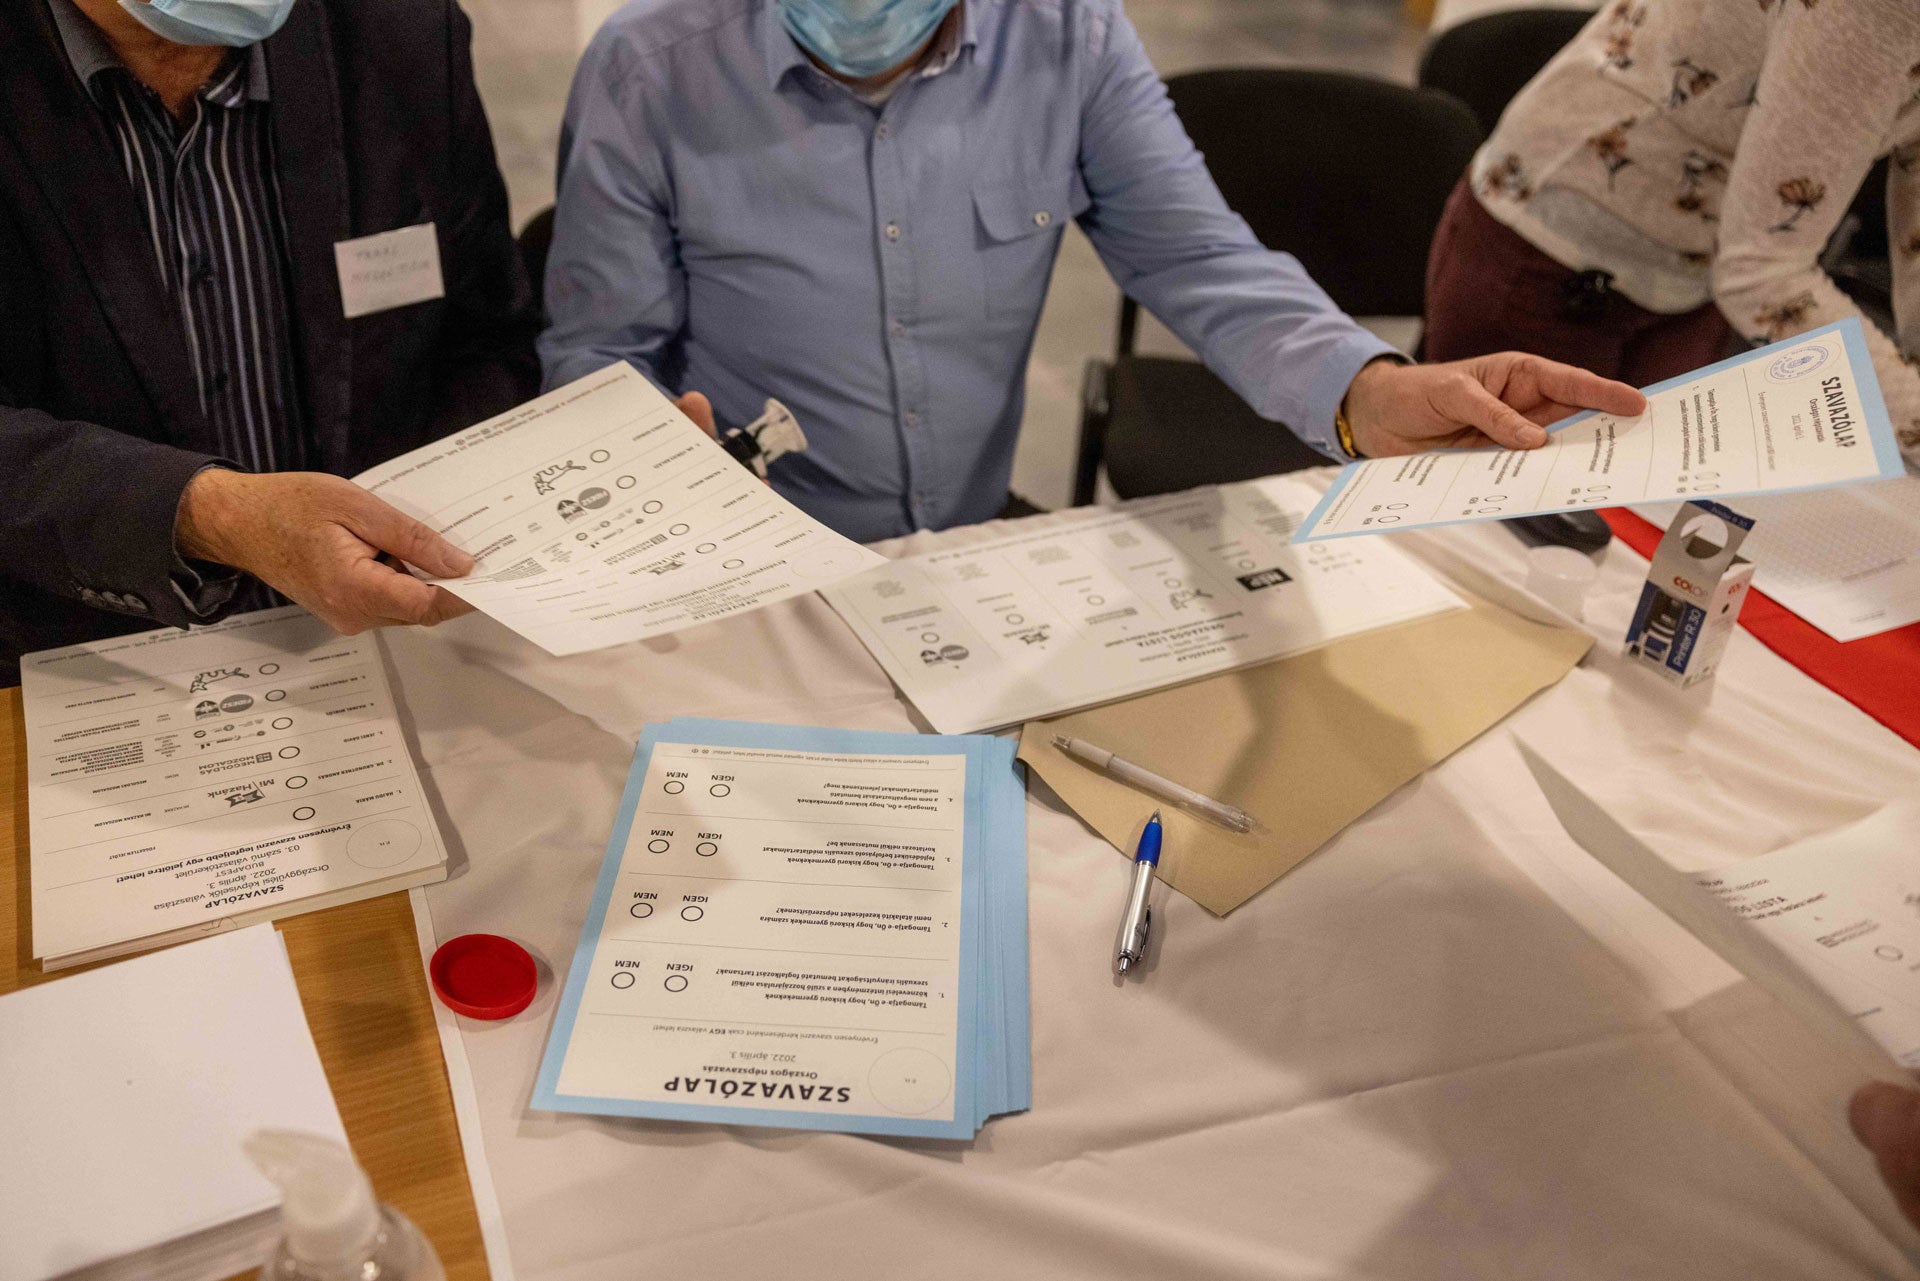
[[1131, 946], [1231, 817]]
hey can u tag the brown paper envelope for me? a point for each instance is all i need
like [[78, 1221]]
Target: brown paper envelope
[[1305, 744]]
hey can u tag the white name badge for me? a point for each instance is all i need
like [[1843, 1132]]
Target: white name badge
[[390, 269]]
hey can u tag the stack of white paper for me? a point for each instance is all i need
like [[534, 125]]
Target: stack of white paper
[[807, 928], [124, 1096]]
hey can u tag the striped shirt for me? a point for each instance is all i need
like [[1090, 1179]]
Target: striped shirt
[[207, 190]]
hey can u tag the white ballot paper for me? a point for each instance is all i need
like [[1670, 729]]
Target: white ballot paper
[[1800, 414], [1110, 602], [599, 514], [1845, 560], [1826, 926], [812, 929], [183, 783]]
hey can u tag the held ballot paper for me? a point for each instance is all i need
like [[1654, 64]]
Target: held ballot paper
[[183, 783], [600, 514], [1800, 414], [804, 928], [1103, 603]]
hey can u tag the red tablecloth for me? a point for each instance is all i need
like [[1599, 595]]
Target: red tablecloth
[[1880, 675]]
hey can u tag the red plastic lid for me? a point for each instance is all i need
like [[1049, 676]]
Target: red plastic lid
[[483, 976]]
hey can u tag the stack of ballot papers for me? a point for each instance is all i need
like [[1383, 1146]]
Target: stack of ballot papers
[[181, 783], [125, 1094], [804, 928]]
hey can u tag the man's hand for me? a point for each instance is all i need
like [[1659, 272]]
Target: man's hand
[[1886, 1119], [318, 539], [1504, 399]]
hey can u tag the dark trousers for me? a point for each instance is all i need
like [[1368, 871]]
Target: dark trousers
[[1489, 289]]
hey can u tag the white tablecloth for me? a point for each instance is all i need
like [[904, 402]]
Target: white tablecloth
[[1446, 1046]]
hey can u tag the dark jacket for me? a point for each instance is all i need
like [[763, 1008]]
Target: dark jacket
[[377, 125]]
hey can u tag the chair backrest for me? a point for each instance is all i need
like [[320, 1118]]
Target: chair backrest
[[536, 238], [1484, 61], [1347, 173]]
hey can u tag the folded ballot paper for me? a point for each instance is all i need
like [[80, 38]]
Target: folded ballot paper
[[804, 928]]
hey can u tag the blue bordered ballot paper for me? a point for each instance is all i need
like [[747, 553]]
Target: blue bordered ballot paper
[[1800, 414], [804, 928]]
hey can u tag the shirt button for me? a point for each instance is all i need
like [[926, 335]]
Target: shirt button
[[1042, 219], [912, 419], [884, 132], [893, 231], [898, 329]]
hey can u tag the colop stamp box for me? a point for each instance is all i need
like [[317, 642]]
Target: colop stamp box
[[1693, 593]]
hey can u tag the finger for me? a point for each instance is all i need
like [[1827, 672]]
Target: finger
[[1582, 388], [700, 409], [375, 596], [391, 530], [1469, 404], [1886, 1120]]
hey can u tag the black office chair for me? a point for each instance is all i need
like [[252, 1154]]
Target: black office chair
[[1348, 174], [536, 238], [1484, 61]]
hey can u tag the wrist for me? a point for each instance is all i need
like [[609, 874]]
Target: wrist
[[203, 525], [1359, 408]]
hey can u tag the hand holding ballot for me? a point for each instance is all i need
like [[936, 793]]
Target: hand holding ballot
[[1507, 399]]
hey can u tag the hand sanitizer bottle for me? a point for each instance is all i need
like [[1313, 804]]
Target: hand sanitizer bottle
[[333, 1228]]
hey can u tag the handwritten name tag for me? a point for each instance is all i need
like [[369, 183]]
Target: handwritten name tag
[[390, 269]]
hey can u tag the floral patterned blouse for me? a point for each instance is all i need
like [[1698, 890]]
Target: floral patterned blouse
[[1705, 150]]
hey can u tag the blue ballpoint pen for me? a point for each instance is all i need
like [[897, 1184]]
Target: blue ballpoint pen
[[1132, 943]]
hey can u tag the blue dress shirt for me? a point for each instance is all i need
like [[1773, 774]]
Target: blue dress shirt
[[734, 221]]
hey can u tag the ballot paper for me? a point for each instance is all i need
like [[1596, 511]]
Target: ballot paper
[[1104, 603], [124, 1095], [804, 928], [1845, 560], [1800, 414], [1827, 925], [600, 514], [182, 783]]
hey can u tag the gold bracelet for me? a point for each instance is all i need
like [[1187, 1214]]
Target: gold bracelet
[[1344, 429]]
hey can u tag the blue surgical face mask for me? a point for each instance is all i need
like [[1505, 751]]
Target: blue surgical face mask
[[862, 38], [228, 22]]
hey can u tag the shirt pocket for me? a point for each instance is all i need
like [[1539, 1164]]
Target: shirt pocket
[[1020, 220]]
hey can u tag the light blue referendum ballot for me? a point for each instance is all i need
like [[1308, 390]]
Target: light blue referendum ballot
[[804, 928], [1801, 414]]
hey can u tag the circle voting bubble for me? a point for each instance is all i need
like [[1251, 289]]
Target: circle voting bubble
[[283, 722], [678, 528], [275, 695], [304, 813], [706, 849], [599, 455], [692, 912], [720, 789], [296, 782], [268, 669], [623, 979], [659, 846], [676, 983], [288, 753], [640, 911], [386, 843], [909, 1081], [673, 787], [651, 506], [732, 564], [929, 638], [704, 548], [626, 482]]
